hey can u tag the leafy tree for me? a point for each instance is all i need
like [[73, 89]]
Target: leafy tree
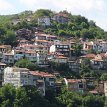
[[25, 63], [7, 94], [43, 12], [10, 38], [104, 76]]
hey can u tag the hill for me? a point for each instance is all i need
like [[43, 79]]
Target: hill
[[76, 26]]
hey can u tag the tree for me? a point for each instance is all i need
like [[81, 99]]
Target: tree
[[93, 101], [104, 76], [43, 12], [21, 98], [25, 63], [84, 25], [10, 38], [77, 48], [7, 94]]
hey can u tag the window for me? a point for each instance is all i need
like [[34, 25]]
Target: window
[[80, 85], [51, 79]]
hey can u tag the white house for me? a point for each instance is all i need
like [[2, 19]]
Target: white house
[[8, 58], [100, 46], [44, 21], [17, 76]]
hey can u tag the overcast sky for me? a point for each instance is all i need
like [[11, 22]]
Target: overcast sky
[[92, 9]]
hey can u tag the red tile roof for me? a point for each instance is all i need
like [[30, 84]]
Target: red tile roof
[[42, 74], [89, 56], [75, 80]]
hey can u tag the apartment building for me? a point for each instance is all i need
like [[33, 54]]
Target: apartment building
[[76, 85], [17, 76]]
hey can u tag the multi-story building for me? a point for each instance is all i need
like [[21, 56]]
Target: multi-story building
[[61, 48], [61, 17], [105, 88], [17, 76], [8, 58], [100, 46], [74, 66], [44, 21], [76, 85], [2, 67], [42, 36], [97, 63], [5, 48], [48, 78]]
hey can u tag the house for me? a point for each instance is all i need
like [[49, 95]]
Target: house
[[61, 48], [2, 67], [17, 76], [60, 59], [105, 88], [98, 62], [23, 77], [88, 56], [48, 78], [44, 21], [43, 36], [100, 45], [74, 66], [5, 48], [88, 45], [22, 42], [43, 80], [31, 55], [61, 17], [8, 58], [33, 47], [42, 42], [18, 54], [76, 85]]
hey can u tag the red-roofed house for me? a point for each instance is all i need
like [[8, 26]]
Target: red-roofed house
[[76, 85]]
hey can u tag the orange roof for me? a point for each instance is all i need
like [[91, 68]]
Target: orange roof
[[46, 35], [89, 43], [8, 54], [4, 46], [2, 64], [30, 52], [94, 92], [42, 41], [89, 56], [75, 80], [31, 45], [98, 60], [42, 74], [61, 57], [62, 15]]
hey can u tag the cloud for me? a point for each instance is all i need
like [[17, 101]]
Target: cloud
[[84, 5], [5, 7]]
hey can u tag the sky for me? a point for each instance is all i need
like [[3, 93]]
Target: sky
[[95, 10]]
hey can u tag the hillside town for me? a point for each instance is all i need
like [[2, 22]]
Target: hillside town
[[46, 60], [43, 50]]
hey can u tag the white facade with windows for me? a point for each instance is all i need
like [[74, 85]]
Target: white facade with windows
[[17, 76]]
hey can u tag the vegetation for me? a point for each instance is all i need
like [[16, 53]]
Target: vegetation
[[25, 63], [30, 97], [78, 26]]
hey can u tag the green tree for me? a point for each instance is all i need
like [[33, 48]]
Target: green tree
[[25, 63], [104, 77], [7, 94], [10, 38]]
